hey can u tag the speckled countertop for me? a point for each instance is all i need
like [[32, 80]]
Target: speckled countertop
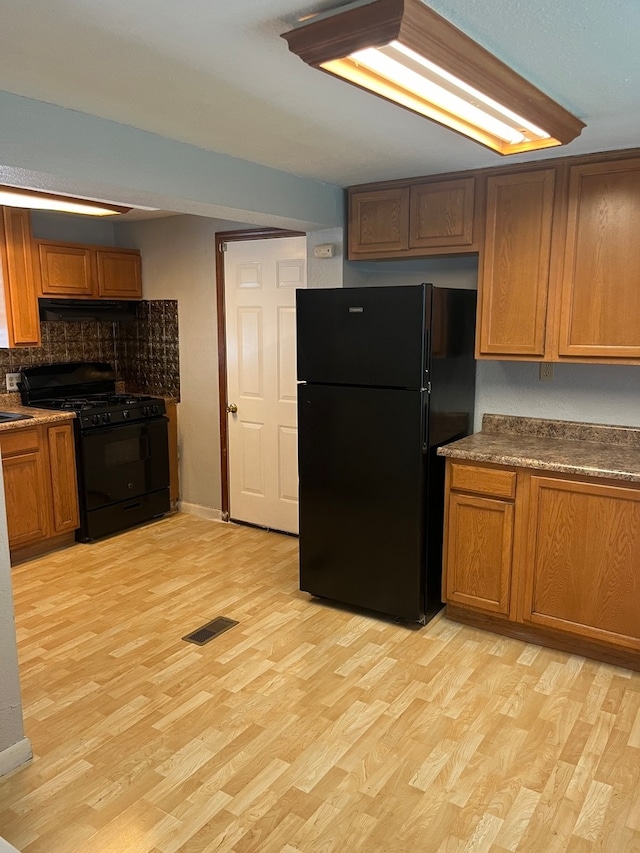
[[11, 403], [594, 450]]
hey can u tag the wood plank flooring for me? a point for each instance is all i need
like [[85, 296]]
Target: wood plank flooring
[[304, 728]]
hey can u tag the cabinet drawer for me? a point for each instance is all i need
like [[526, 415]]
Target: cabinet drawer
[[483, 481], [20, 441]]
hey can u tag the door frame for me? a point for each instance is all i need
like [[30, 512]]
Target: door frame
[[229, 237]]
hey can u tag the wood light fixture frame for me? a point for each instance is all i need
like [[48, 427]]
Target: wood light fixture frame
[[327, 41]]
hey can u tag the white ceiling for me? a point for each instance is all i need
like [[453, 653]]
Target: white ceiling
[[216, 74]]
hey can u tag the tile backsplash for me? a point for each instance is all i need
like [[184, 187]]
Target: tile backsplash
[[144, 353], [147, 350]]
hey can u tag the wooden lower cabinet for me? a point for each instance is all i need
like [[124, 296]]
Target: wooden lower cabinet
[[558, 565], [174, 485], [479, 548], [62, 470], [582, 573], [25, 485], [41, 496]]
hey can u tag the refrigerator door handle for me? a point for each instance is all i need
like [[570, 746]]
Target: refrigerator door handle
[[426, 351], [425, 420]]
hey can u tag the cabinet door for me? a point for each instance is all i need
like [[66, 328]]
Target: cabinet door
[[22, 324], [441, 214], [514, 274], [174, 485], [600, 295], [479, 544], [64, 488], [119, 274], [25, 487], [66, 270], [583, 566], [378, 222]]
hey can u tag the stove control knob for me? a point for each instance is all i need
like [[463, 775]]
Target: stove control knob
[[145, 411], [155, 410], [106, 418], [126, 414], [95, 419]]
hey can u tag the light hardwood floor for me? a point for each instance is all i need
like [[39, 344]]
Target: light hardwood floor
[[304, 728]]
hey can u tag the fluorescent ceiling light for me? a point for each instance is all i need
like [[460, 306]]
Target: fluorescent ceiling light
[[406, 53], [36, 200]]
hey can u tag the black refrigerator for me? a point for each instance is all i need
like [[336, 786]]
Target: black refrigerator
[[386, 375]]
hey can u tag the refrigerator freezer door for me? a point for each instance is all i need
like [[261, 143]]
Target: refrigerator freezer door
[[364, 336], [362, 531]]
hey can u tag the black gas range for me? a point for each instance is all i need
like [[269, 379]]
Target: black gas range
[[121, 442], [97, 410]]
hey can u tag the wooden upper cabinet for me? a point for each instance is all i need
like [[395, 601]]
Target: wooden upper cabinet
[[515, 270], [600, 303], [65, 270], [559, 254], [442, 214], [119, 274], [429, 217], [583, 548], [20, 325], [76, 271], [378, 222]]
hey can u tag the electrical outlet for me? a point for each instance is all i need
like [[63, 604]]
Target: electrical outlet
[[546, 371], [12, 381]]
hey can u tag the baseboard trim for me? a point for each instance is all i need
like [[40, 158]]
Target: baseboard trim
[[200, 511], [14, 756]]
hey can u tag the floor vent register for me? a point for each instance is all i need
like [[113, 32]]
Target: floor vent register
[[212, 629]]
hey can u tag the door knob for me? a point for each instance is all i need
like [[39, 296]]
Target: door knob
[[232, 408]]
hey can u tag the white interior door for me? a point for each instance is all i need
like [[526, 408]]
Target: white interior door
[[261, 277]]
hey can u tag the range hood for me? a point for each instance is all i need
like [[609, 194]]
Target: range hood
[[77, 310]]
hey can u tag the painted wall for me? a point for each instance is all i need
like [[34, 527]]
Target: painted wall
[[67, 151], [596, 393], [72, 228], [325, 272], [442, 272], [15, 749], [581, 392], [178, 262]]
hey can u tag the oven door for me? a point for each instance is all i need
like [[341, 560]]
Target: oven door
[[123, 462]]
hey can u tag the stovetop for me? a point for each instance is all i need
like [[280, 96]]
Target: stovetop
[[87, 388], [98, 410], [96, 401]]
